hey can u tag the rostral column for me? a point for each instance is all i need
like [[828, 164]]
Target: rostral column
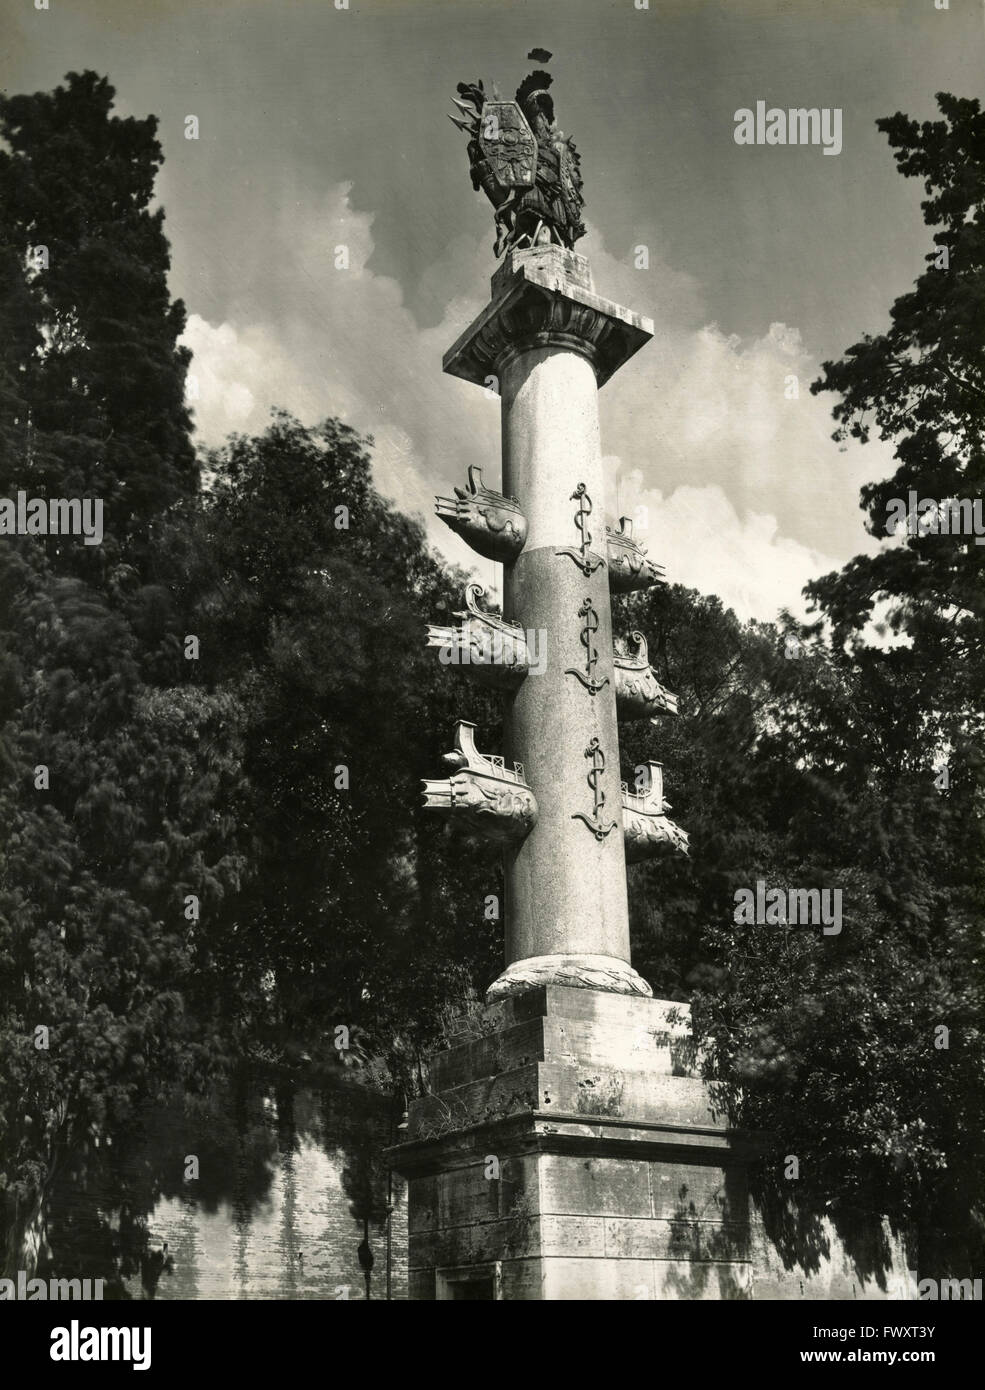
[[567, 1145], [548, 342]]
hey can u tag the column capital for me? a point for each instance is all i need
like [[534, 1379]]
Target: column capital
[[543, 297]]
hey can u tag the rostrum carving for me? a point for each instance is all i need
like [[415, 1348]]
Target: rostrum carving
[[639, 695], [647, 830], [488, 648], [491, 523], [483, 790], [629, 567]]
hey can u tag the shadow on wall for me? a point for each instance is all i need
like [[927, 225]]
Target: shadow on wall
[[710, 1239], [748, 1240], [288, 1199], [796, 1241]]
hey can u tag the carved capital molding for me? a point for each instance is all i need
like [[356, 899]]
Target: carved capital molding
[[547, 319], [540, 306]]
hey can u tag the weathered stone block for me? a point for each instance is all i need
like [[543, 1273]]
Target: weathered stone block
[[676, 1239], [505, 1050], [420, 1285], [422, 1210], [684, 1279], [467, 1195], [583, 1236], [607, 1186], [700, 1193], [522, 1281], [595, 1281], [616, 1179]]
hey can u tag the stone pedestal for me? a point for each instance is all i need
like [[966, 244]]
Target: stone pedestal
[[570, 1151], [568, 1148]]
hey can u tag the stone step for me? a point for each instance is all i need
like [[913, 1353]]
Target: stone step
[[547, 1088], [649, 1035]]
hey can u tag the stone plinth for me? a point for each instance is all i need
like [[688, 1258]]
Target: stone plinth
[[571, 1152]]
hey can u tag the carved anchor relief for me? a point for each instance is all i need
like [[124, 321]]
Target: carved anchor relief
[[591, 626], [594, 822], [583, 555]]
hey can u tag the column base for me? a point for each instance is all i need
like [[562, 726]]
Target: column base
[[570, 1152], [608, 974]]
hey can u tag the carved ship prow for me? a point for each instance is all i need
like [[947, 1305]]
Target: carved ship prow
[[647, 830], [490, 796], [639, 695], [629, 566], [490, 649], [491, 523]]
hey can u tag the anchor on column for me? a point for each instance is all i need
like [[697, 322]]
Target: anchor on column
[[590, 626], [595, 823], [583, 555]]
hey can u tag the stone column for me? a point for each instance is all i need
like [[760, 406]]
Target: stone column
[[568, 1146], [550, 342]]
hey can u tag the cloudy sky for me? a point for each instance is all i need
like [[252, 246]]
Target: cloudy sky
[[322, 127]]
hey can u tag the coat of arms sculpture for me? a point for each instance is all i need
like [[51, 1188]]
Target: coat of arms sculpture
[[527, 168]]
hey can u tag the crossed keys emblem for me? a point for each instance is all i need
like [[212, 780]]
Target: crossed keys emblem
[[583, 555], [589, 630], [595, 824]]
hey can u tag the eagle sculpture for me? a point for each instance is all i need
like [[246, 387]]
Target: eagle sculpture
[[527, 168]]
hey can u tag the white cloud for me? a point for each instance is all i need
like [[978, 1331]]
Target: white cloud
[[748, 496], [698, 535]]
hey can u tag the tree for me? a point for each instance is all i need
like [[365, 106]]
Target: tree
[[105, 389], [921, 386], [798, 771], [113, 764], [359, 912]]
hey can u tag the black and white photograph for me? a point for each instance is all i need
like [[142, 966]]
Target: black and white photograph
[[492, 653]]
